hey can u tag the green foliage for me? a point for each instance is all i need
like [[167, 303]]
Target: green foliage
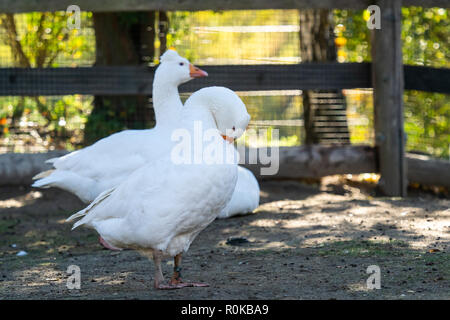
[[113, 114], [427, 123], [426, 41], [351, 26], [425, 36], [101, 124], [61, 128], [45, 41], [208, 37]]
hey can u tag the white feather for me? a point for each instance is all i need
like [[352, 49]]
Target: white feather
[[164, 205], [90, 171]]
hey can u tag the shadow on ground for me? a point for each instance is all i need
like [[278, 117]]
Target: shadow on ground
[[304, 243]]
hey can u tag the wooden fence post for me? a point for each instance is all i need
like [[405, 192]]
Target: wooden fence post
[[388, 85]]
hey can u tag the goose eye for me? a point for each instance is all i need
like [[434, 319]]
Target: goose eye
[[234, 128], [181, 64]]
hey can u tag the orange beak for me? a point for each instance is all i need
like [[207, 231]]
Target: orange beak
[[229, 139], [195, 72]]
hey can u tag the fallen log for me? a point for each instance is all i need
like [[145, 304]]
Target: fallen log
[[319, 161], [314, 161], [19, 168], [427, 170]]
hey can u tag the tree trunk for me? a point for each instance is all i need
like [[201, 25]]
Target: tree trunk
[[121, 39], [163, 29], [317, 45]]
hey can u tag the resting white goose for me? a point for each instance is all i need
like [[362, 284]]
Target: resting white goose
[[161, 207], [101, 166], [245, 197]]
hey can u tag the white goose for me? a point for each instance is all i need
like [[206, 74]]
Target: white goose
[[161, 207], [245, 197], [101, 166]]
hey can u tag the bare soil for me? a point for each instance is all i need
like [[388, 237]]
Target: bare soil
[[305, 242]]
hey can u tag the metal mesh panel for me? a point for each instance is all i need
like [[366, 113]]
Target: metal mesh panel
[[228, 38], [41, 123]]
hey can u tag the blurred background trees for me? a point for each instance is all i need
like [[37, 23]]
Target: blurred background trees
[[121, 39], [324, 111], [228, 37], [41, 40]]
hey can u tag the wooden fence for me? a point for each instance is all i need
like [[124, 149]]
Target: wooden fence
[[131, 80], [17, 6], [386, 74]]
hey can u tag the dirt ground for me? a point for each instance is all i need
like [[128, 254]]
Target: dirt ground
[[305, 242]]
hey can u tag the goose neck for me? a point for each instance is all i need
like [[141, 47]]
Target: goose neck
[[166, 103], [201, 109]]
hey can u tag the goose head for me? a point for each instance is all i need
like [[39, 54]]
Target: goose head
[[228, 110], [176, 70]]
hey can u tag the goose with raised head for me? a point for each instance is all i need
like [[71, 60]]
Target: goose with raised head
[[161, 207], [101, 166]]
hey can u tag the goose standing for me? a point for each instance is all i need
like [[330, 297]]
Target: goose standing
[[161, 207]]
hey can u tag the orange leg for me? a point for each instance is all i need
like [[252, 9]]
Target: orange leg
[[107, 245], [159, 278]]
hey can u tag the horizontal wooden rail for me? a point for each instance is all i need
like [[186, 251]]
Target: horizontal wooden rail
[[132, 80], [427, 79], [314, 161], [16, 6]]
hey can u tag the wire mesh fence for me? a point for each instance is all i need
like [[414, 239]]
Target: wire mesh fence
[[42, 40], [36, 124]]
